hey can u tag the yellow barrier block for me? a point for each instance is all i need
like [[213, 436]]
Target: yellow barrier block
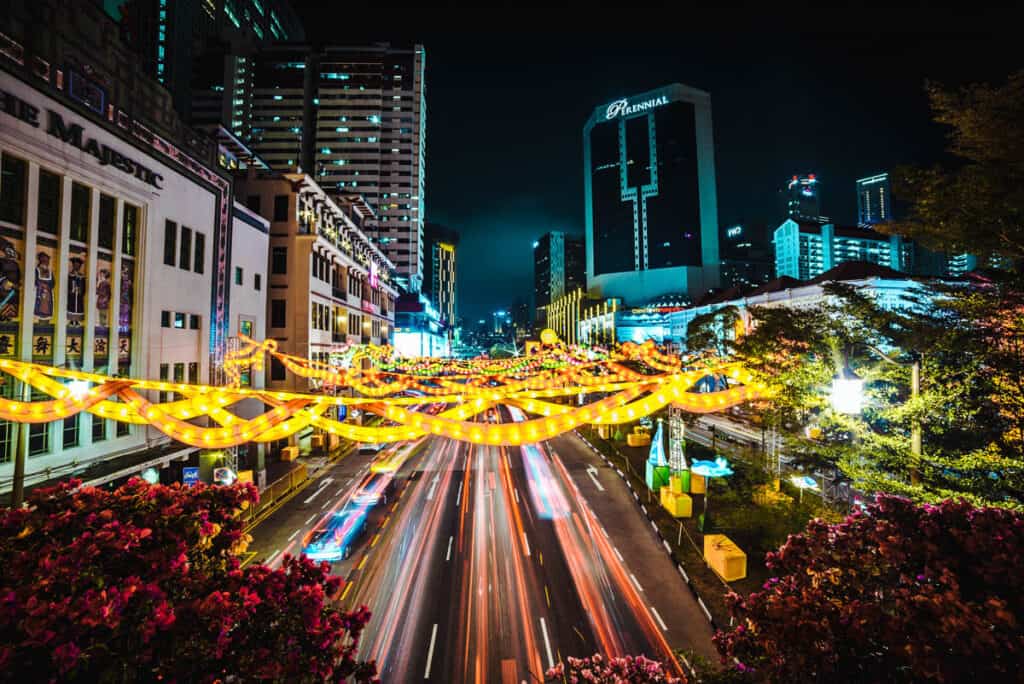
[[638, 440], [245, 476], [678, 504], [316, 442], [289, 453], [675, 483], [724, 557], [698, 485]]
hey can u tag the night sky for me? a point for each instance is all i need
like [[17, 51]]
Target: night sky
[[506, 112]]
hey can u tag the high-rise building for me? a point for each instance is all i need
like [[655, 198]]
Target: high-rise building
[[806, 249], [799, 199], [352, 117], [650, 201], [874, 200], [746, 257], [558, 268], [439, 269], [170, 37]]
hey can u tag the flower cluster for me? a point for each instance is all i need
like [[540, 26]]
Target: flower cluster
[[900, 592], [599, 669], [144, 582]]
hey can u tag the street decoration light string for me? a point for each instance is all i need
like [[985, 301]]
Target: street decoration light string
[[468, 387]]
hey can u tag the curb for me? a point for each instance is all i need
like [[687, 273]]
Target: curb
[[678, 562]]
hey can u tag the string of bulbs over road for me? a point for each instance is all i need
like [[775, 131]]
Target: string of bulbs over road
[[635, 379]]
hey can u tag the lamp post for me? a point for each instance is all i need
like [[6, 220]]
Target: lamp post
[[803, 482], [708, 470], [848, 397]]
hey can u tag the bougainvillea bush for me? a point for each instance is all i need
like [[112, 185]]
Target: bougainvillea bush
[[143, 583], [897, 593], [603, 670]]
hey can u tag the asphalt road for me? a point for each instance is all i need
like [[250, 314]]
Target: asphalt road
[[491, 564]]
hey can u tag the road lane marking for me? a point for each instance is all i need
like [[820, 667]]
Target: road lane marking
[[348, 588], [526, 544], [433, 486], [547, 596], [294, 534], [658, 618], [448, 556], [592, 472], [326, 504], [633, 577], [616, 550], [516, 492], [315, 494], [363, 562], [271, 557], [311, 518], [375, 540], [430, 652], [704, 608], [340, 491], [683, 573], [458, 499], [547, 643]]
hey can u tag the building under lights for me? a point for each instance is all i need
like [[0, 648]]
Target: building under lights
[[874, 200], [419, 331], [328, 284], [354, 118], [800, 201], [559, 267], [650, 199], [120, 242], [439, 271], [805, 250]]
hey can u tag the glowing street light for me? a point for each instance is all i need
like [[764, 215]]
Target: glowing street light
[[709, 469], [847, 395], [79, 389]]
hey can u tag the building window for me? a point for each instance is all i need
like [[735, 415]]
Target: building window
[[200, 261], [38, 439], [170, 242], [277, 313], [253, 203], [277, 371], [99, 429], [280, 207], [122, 430], [48, 215], [165, 374], [179, 373], [185, 253], [165, 319], [193, 372], [13, 185], [279, 260], [80, 199], [179, 321], [193, 322], [239, 279], [258, 282], [106, 225], [129, 230], [70, 431]]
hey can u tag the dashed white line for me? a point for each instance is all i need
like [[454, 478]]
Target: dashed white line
[[667, 547], [527, 545], [311, 518], [341, 491], [635, 583], [704, 608], [294, 534], [516, 492], [326, 504], [618, 554], [657, 617], [271, 557], [448, 556], [458, 499], [430, 652], [547, 643]]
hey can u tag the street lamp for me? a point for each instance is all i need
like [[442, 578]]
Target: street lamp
[[709, 469], [848, 397], [803, 482]]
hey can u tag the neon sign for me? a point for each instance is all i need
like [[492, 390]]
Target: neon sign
[[623, 108]]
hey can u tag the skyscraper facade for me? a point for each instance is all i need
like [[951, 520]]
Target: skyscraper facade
[[874, 200], [352, 117], [650, 200], [800, 200], [558, 268], [439, 270]]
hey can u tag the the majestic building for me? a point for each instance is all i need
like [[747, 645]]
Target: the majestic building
[[171, 37], [650, 200], [874, 200], [559, 267], [328, 284], [119, 238], [439, 271], [799, 199], [353, 118]]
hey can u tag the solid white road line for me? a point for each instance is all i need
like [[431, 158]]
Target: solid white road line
[[547, 643], [448, 556], [294, 534], [311, 518], [618, 554], [633, 577], [658, 618], [430, 652]]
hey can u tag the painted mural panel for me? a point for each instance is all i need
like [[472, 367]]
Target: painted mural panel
[[11, 284]]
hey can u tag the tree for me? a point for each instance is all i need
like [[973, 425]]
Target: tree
[[976, 206], [712, 330], [898, 593], [143, 583], [604, 670]]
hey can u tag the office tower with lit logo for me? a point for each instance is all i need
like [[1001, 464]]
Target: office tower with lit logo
[[650, 200], [799, 199], [874, 200], [354, 118]]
